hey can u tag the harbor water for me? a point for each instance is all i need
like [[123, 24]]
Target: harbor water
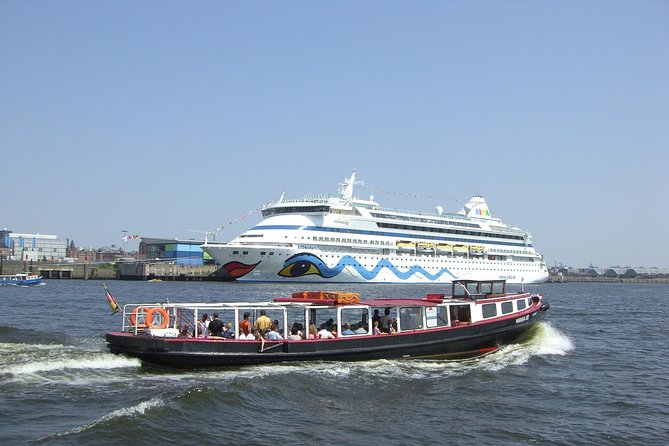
[[593, 372]]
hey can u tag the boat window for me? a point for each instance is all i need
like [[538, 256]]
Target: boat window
[[460, 314], [357, 320], [507, 307], [411, 318], [498, 287], [521, 304], [436, 316], [323, 318], [529, 301], [486, 287], [489, 310], [471, 287], [235, 252]]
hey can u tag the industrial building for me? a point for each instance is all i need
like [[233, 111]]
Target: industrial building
[[31, 247], [180, 252]]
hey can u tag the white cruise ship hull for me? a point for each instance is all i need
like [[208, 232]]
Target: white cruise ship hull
[[301, 265]]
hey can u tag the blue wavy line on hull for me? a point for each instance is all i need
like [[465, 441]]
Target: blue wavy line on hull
[[306, 264]]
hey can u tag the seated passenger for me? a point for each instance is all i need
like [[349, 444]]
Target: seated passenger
[[324, 333], [274, 335], [376, 330], [313, 331], [360, 329], [259, 337], [246, 337], [346, 330], [229, 333], [294, 334]]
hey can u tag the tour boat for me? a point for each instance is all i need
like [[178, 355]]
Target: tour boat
[[345, 239], [478, 317], [20, 279]]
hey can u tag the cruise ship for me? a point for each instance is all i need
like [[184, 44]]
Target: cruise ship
[[343, 239]]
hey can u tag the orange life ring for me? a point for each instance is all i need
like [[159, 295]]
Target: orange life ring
[[136, 314], [163, 316]]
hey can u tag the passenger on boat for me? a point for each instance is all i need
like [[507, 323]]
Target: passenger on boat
[[294, 334], [273, 334], [216, 326], [185, 333], [229, 333], [202, 325], [245, 325], [313, 331], [376, 317], [324, 333], [375, 329], [246, 337], [347, 330], [263, 323], [360, 328], [299, 328], [257, 335], [385, 320]]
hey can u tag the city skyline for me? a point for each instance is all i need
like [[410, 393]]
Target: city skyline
[[175, 121]]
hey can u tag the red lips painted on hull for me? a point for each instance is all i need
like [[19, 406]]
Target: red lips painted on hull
[[239, 269]]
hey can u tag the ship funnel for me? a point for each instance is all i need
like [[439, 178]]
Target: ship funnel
[[476, 207]]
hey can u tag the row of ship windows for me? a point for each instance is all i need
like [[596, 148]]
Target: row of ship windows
[[450, 231], [425, 220], [490, 310], [352, 240]]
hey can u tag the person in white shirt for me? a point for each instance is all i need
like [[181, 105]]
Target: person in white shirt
[[324, 333]]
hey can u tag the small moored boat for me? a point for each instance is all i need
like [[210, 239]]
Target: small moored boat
[[20, 279], [477, 318]]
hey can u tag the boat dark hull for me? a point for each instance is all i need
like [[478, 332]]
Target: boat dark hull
[[442, 343]]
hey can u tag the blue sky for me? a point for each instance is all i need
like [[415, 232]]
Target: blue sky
[[161, 118]]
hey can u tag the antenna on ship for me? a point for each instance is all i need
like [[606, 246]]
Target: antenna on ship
[[207, 234], [346, 188]]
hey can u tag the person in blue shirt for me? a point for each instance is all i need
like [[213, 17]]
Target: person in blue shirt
[[346, 330], [274, 335], [229, 333]]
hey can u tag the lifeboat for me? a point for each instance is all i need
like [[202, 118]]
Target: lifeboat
[[405, 246], [425, 247], [444, 248]]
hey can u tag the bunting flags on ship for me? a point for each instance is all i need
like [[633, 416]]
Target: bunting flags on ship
[[130, 237], [410, 195], [111, 301]]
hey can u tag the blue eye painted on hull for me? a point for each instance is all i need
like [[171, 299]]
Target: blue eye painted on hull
[[304, 264]]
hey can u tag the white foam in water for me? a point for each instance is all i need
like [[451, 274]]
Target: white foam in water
[[132, 411], [24, 360]]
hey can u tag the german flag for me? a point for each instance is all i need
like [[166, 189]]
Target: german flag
[[111, 301]]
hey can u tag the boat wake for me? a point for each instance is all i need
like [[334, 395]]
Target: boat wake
[[137, 410], [37, 362], [542, 340]]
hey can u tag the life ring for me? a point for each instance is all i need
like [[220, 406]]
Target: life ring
[[137, 314], [162, 320]]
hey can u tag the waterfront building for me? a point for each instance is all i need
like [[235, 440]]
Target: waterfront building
[[32, 247], [181, 252]]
